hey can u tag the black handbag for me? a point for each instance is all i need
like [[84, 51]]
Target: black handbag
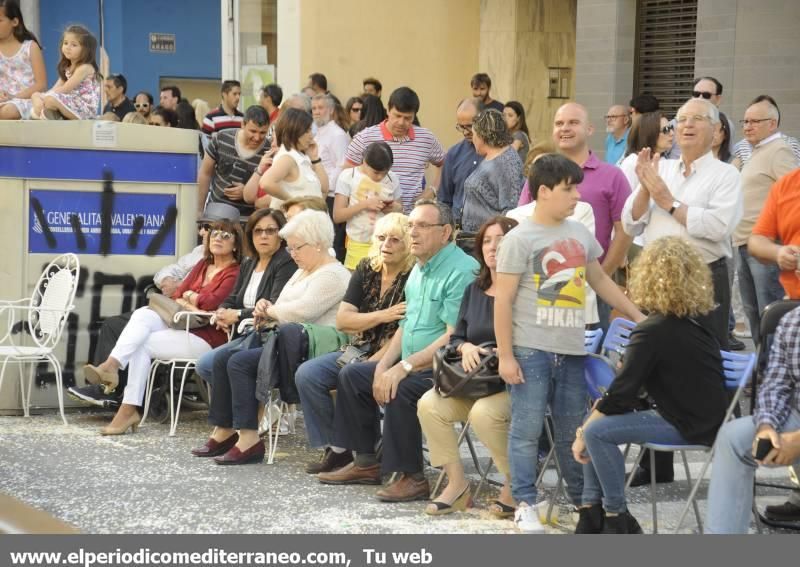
[[451, 380]]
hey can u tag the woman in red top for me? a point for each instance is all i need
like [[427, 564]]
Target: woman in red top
[[147, 336]]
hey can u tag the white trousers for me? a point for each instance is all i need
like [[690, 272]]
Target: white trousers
[[144, 338]]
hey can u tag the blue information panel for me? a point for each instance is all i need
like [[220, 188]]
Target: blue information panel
[[72, 221]]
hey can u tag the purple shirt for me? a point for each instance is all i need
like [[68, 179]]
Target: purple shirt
[[606, 189]]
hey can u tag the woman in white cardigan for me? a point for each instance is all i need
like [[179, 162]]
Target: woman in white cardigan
[[312, 295]]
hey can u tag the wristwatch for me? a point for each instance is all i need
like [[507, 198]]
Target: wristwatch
[[407, 366], [675, 205]]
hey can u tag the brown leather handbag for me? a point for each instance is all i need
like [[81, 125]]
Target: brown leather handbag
[[451, 380], [166, 308]]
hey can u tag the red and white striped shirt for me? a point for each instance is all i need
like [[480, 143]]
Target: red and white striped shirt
[[411, 154], [218, 120]]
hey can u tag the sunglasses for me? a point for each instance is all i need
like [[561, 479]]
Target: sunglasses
[[698, 94], [141, 104], [269, 231], [204, 226], [222, 234], [355, 109], [667, 129]]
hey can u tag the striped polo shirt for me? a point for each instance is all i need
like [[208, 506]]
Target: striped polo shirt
[[231, 168], [218, 119], [411, 154]]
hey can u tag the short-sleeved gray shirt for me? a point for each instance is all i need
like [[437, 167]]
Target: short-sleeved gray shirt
[[548, 311]]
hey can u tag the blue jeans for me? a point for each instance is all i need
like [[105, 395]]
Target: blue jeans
[[315, 379], [759, 286], [604, 475], [205, 364], [557, 381], [730, 494]]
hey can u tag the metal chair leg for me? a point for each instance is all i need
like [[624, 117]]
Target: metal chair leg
[[653, 489], [174, 426], [149, 390], [693, 500]]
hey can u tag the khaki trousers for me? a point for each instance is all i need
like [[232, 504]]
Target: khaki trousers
[[489, 418]]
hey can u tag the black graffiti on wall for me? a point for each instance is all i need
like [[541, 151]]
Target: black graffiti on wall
[[131, 290], [106, 214]]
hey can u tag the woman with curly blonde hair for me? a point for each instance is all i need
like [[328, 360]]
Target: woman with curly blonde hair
[[671, 358]]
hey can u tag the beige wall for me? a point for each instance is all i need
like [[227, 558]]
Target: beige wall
[[428, 45], [520, 39]]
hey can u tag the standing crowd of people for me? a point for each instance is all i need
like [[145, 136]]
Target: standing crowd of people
[[367, 247]]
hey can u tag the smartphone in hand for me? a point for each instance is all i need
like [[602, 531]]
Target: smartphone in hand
[[763, 447]]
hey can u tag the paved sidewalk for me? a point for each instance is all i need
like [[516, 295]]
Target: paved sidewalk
[[150, 483]]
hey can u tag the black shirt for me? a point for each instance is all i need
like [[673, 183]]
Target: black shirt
[[124, 108], [364, 293], [475, 318], [678, 364], [497, 105]]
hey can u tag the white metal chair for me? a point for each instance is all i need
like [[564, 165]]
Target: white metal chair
[[187, 364], [45, 314]]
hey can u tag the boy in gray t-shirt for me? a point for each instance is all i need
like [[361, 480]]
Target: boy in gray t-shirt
[[543, 267]]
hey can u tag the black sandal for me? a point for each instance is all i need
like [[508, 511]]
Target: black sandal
[[500, 510]]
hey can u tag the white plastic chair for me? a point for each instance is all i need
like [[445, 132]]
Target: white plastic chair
[[187, 364], [45, 313]]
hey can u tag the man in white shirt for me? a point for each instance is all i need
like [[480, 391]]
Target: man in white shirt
[[332, 142], [697, 197], [331, 139]]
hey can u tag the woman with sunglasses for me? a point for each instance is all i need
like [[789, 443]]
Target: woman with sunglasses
[[370, 312], [263, 273], [311, 295], [147, 336]]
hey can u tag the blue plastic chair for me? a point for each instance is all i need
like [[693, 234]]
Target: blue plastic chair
[[599, 375], [737, 368], [592, 339], [618, 336]]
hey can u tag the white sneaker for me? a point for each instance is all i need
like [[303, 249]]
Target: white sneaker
[[526, 519], [742, 334]]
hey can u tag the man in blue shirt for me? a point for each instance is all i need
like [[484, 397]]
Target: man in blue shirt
[[777, 418], [461, 160], [618, 125], [433, 298]]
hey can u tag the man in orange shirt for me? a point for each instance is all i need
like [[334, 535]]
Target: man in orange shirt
[[776, 235]]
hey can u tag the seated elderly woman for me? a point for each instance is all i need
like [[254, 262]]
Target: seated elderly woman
[[370, 312], [489, 416], [262, 275], [147, 336], [312, 295], [686, 399]]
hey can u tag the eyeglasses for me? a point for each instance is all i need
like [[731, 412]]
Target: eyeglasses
[[393, 240], [269, 231], [683, 118], [141, 104], [753, 121], [222, 234], [204, 226], [464, 128], [699, 94], [612, 116], [667, 129], [296, 249], [422, 225]]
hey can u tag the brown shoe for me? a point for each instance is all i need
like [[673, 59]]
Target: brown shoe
[[352, 474], [405, 489], [330, 462]]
